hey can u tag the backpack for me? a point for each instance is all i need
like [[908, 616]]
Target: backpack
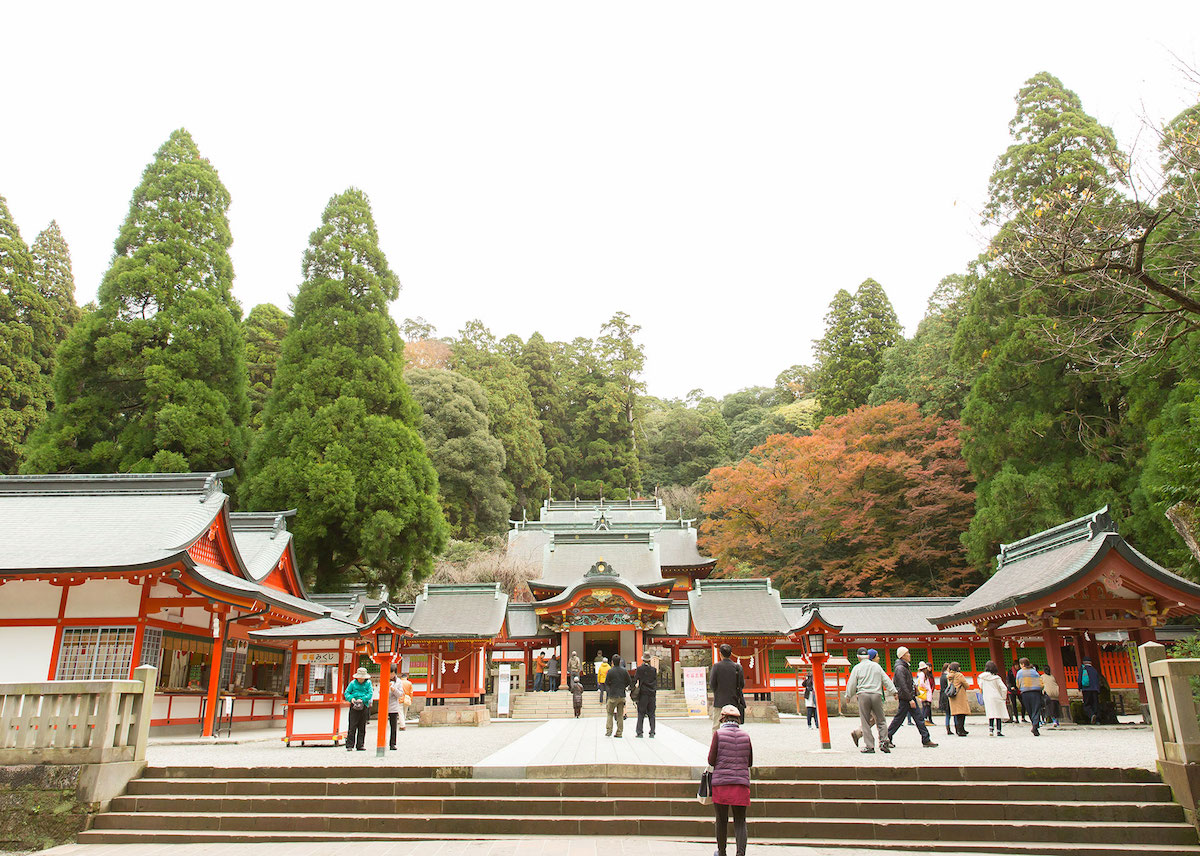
[[1085, 680]]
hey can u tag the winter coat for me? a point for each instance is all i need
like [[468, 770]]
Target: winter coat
[[995, 691], [1050, 686], [731, 756], [575, 665], [576, 692], [395, 696], [726, 682], [810, 695], [960, 704], [647, 679], [906, 689], [943, 700], [617, 682], [361, 690], [1093, 679]]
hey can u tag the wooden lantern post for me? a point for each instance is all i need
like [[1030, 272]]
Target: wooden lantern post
[[814, 631]]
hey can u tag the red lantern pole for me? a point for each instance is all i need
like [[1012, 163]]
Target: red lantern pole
[[818, 663]]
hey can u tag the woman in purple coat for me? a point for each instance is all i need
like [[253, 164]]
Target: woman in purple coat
[[731, 757]]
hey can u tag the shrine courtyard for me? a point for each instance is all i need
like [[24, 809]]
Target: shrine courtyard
[[679, 742]]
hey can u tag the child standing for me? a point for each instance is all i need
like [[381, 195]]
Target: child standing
[[576, 695]]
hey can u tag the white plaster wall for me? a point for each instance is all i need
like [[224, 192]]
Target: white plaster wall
[[27, 652], [104, 599], [29, 599]]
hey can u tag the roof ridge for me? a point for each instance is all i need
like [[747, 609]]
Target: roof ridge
[[1080, 529], [204, 484]]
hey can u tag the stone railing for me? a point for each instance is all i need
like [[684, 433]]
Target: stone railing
[[1173, 714], [76, 722]]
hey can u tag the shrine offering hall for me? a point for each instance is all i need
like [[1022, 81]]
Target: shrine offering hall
[[102, 573]]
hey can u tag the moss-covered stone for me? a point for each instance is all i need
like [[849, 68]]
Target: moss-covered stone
[[39, 807]]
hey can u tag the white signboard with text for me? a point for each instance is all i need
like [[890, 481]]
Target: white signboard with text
[[502, 689], [695, 690]]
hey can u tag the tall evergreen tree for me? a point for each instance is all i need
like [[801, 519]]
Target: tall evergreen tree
[[1046, 440], [155, 378], [264, 329], [920, 369], [537, 360], [858, 332], [53, 278], [607, 421], [468, 459], [340, 440], [513, 417], [25, 330]]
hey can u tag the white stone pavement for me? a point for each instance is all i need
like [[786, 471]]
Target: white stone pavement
[[789, 742]]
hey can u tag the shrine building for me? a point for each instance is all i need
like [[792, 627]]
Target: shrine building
[[102, 573]]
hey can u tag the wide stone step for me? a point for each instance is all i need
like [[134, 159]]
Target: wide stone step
[[956, 809], [336, 786], [1045, 775], [1016, 848], [869, 828]]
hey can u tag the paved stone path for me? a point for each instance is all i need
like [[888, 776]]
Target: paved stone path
[[788, 743], [582, 745]]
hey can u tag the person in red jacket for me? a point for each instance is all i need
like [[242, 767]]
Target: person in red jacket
[[731, 755]]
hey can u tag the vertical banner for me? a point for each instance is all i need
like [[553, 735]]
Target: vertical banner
[[695, 690], [502, 689]]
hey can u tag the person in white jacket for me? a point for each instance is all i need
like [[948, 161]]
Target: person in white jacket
[[994, 691]]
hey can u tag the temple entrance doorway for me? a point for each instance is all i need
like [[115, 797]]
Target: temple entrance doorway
[[604, 642]]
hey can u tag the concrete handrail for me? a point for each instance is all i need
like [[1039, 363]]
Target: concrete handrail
[[76, 722], [1172, 709]]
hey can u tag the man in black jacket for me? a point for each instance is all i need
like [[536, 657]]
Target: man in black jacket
[[726, 682], [906, 694], [617, 681], [647, 700]]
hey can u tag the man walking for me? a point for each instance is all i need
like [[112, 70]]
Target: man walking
[[1089, 688], [906, 695], [726, 682], [616, 682], [647, 700], [868, 681]]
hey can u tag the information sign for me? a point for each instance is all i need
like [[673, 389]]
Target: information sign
[[695, 690], [502, 689]]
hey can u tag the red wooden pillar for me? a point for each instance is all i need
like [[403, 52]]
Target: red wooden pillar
[[1052, 639], [562, 659], [214, 675], [996, 650]]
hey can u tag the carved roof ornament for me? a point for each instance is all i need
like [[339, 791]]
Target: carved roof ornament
[[601, 569]]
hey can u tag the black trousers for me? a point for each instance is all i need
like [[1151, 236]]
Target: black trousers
[[1032, 700], [960, 724], [739, 828], [1091, 703], [903, 712], [357, 729], [393, 724], [646, 705]]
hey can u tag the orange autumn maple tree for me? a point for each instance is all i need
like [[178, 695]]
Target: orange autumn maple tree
[[870, 504]]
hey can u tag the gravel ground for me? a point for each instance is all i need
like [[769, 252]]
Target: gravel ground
[[792, 742], [448, 746], [787, 743]]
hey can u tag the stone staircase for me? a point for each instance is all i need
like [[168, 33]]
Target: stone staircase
[[1083, 811], [557, 705]]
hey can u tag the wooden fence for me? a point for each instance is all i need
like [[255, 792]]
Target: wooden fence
[[76, 722]]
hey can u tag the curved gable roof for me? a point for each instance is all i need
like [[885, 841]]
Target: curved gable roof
[[1038, 566], [93, 522]]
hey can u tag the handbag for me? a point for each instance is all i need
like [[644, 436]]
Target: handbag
[[635, 691], [704, 792]]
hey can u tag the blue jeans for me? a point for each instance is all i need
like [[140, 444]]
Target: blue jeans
[[537, 681], [812, 716]]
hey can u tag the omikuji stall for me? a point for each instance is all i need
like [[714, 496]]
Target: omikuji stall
[[449, 626], [323, 658]]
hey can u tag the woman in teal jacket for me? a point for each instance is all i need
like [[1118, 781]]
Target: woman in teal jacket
[[359, 693]]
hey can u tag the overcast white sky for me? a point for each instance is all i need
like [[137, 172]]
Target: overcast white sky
[[717, 170]]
